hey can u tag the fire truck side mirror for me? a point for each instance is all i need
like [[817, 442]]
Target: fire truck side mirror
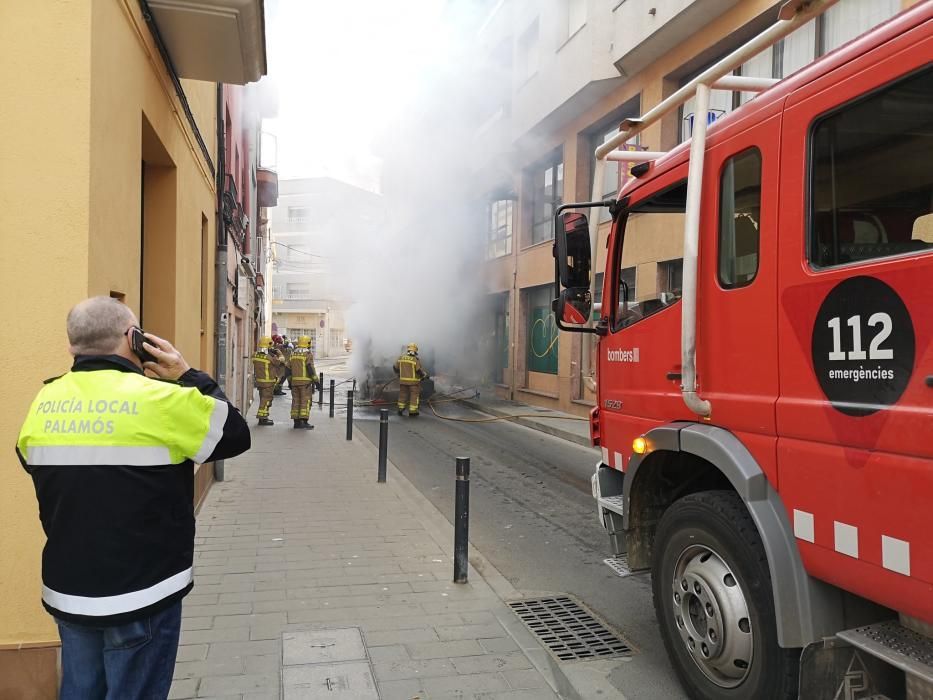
[[572, 250]]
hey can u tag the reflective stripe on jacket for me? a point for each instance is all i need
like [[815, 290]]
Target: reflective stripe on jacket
[[301, 364], [264, 368], [111, 456], [409, 369]]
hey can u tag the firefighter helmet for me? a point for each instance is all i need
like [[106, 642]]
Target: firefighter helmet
[[304, 341], [412, 348], [265, 342]]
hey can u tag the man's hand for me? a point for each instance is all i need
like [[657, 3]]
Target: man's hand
[[169, 362]]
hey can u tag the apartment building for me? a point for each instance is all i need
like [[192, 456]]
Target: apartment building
[[558, 77], [312, 229]]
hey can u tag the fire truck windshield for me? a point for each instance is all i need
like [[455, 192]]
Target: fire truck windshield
[[648, 256]]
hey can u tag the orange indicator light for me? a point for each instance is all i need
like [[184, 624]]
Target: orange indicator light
[[639, 445]]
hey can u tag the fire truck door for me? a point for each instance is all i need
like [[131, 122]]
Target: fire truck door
[[641, 302], [736, 340], [855, 314]]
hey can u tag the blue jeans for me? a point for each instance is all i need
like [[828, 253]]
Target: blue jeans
[[134, 661]]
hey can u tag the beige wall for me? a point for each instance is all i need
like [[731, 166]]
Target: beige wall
[[80, 80], [44, 228]]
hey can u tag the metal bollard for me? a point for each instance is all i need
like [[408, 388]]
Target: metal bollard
[[350, 414], [383, 444], [331, 398], [462, 521], [320, 391]]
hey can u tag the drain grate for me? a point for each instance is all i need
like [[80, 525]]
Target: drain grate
[[568, 630], [619, 564]]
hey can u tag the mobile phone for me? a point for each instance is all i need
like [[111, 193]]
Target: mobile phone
[[136, 343]]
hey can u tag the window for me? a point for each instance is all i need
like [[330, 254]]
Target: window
[[576, 16], [871, 184], [649, 266], [849, 18], [671, 277], [500, 229], [297, 290], [615, 174], [542, 331], [627, 284], [547, 191], [299, 215], [527, 54], [739, 219]]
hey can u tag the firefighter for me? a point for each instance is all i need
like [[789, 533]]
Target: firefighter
[[282, 371], [304, 380], [266, 362], [410, 375]]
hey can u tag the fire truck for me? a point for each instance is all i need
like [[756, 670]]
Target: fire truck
[[765, 409]]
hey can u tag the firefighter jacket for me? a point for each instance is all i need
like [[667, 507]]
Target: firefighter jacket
[[111, 454], [301, 364], [265, 367], [282, 370], [409, 370]]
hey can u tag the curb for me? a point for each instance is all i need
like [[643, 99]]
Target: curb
[[442, 532], [545, 426]]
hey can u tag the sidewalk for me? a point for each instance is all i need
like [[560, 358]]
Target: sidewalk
[[556, 423], [300, 539]]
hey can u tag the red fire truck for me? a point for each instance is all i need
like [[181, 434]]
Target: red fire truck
[[774, 469]]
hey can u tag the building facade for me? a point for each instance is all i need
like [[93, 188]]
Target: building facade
[[109, 187], [311, 230], [559, 76]]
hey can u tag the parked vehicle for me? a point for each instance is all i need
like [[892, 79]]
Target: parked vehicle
[[774, 468]]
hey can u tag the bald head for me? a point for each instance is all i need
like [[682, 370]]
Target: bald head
[[97, 326]]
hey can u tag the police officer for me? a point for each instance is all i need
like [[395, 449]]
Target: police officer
[[304, 380], [410, 374], [111, 453], [266, 362]]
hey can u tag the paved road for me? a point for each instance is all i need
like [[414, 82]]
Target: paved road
[[533, 517]]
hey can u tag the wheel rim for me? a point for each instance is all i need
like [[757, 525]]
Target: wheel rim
[[711, 616]]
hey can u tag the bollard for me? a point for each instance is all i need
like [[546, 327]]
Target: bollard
[[462, 521], [383, 444], [350, 414], [320, 391], [331, 398]]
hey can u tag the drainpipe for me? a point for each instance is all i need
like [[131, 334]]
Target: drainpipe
[[220, 267]]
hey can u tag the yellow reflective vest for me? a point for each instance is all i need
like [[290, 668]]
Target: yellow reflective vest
[[409, 370], [301, 364], [111, 456]]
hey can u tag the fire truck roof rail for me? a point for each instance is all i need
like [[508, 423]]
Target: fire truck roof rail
[[792, 15]]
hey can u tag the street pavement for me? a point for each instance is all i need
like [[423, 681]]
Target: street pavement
[[533, 517], [314, 581]]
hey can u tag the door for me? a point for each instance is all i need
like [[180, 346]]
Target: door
[[855, 457], [641, 301], [737, 349]]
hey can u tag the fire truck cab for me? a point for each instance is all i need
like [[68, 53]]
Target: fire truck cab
[[765, 410]]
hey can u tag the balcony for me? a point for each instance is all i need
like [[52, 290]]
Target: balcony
[[267, 187], [222, 41], [645, 30]]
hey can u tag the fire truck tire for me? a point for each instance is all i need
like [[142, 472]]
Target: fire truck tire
[[713, 600]]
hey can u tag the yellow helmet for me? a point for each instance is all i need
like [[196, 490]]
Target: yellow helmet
[[265, 342], [304, 341], [412, 347]]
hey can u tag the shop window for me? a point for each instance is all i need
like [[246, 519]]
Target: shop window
[[542, 331]]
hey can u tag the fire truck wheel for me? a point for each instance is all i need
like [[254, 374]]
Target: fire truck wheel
[[713, 601]]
